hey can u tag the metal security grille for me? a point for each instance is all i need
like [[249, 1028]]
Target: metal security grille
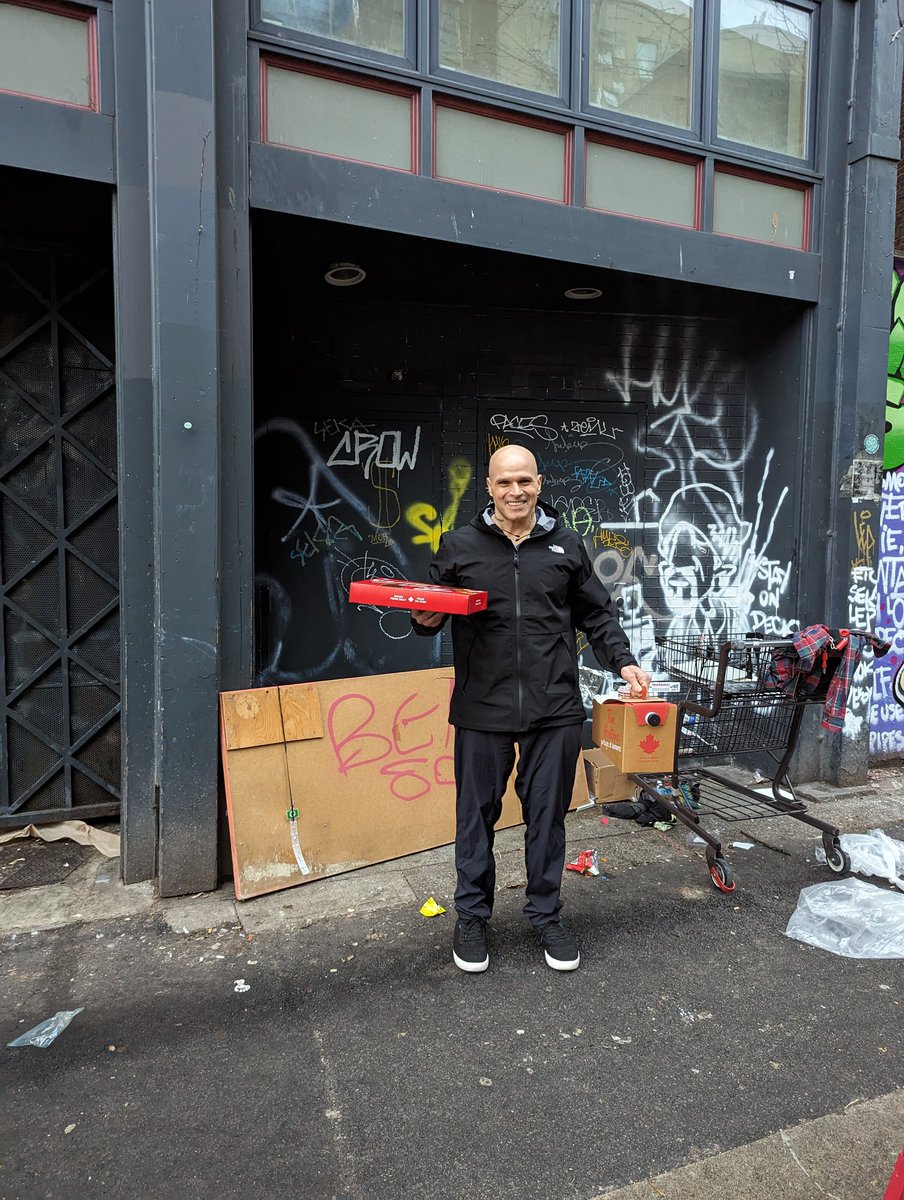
[[59, 553]]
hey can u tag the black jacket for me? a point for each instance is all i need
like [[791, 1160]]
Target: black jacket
[[516, 663]]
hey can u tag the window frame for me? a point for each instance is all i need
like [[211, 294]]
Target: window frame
[[510, 117], [352, 78], [74, 12], [763, 153], [694, 130], [493, 87], [300, 39], [650, 151], [774, 180]]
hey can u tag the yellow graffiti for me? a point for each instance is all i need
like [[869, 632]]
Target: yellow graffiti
[[426, 519], [495, 442], [385, 481], [608, 539], [864, 538]]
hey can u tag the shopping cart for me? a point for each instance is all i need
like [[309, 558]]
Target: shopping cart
[[731, 704]]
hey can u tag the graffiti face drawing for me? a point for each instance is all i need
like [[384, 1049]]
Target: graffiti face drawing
[[701, 542]]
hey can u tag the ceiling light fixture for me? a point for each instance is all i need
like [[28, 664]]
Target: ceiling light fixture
[[344, 274], [583, 293]]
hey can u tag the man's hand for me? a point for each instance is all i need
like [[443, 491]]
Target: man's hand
[[430, 620], [637, 678]]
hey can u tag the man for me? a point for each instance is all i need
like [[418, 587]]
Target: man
[[516, 681]]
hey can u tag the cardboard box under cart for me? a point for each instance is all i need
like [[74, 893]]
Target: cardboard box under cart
[[638, 736]]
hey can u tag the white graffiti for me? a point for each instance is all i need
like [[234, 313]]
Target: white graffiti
[[886, 738], [368, 450], [861, 615], [714, 568]]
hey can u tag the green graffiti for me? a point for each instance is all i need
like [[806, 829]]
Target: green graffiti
[[894, 397]]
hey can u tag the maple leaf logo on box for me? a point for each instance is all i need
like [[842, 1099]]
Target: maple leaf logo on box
[[649, 745]]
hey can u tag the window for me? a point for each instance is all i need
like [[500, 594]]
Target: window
[[762, 209], [343, 116], [370, 24], [764, 67], [515, 42], [621, 178], [640, 58], [49, 55], [492, 150]]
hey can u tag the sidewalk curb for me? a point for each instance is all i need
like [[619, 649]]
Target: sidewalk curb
[[848, 1155]]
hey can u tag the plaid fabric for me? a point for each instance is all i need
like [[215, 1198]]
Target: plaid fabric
[[799, 669]]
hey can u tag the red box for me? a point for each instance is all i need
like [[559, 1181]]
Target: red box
[[427, 597]]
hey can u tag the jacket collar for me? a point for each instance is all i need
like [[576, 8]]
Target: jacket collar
[[547, 519]]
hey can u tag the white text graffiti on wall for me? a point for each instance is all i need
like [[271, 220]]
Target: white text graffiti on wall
[[862, 600], [887, 699]]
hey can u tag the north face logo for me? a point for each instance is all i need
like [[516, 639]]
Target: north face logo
[[557, 549]]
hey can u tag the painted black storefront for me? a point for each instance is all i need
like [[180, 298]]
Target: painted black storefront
[[753, 371]]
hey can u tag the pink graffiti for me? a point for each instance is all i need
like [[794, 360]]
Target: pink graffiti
[[354, 729]]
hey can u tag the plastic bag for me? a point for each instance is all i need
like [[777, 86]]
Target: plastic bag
[[42, 1035], [875, 853], [850, 917]]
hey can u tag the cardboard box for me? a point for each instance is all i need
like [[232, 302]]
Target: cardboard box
[[637, 735], [429, 597], [604, 782]]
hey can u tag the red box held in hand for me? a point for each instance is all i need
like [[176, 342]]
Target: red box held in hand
[[424, 597]]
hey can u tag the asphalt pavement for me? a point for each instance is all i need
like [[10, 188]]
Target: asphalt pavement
[[320, 1042]]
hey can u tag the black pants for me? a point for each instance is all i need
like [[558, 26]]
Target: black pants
[[544, 783]]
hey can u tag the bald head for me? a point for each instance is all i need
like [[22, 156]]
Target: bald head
[[513, 484], [512, 458]]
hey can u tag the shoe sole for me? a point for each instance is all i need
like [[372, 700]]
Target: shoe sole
[[472, 968], [562, 964]]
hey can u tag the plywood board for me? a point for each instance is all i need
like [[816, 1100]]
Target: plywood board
[[251, 718], [376, 784]]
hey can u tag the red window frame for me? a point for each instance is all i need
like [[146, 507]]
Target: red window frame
[[791, 185], [511, 118], [690, 160], [74, 13], [353, 79]]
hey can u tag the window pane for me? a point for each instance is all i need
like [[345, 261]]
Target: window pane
[[764, 54], [640, 58], [372, 24], [309, 112], [641, 185], [44, 54], [471, 148], [753, 208], [512, 41]]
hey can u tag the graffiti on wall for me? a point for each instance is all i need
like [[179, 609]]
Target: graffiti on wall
[[886, 736], [886, 703], [714, 571]]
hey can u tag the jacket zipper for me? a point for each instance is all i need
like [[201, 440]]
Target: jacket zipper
[[518, 638]]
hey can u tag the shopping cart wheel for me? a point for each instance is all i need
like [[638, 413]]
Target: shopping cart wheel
[[838, 862], [721, 875]]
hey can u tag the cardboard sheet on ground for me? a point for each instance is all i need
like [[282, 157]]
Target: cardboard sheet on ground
[[322, 778], [76, 831]]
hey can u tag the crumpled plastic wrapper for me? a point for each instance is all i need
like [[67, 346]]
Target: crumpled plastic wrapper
[[873, 853], [42, 1035], [586, 863], [850, 917]]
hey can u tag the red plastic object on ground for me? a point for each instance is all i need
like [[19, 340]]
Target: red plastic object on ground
[[895, 1189]]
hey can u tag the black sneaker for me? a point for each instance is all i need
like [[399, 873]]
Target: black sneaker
[[561, 949], [469, 944]]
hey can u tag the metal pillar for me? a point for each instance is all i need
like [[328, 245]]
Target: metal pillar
[[166, 258], [866, 259]]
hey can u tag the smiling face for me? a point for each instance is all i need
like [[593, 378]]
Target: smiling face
[[514, 485]]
